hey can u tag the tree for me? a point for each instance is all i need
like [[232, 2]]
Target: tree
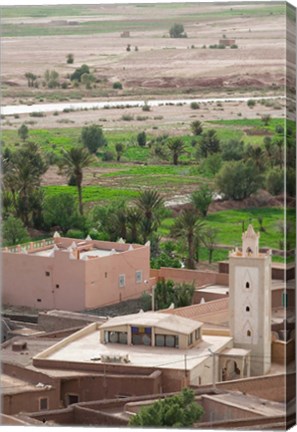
[[77, 74], [209, 239], [61, 210], [177, 148], [178, 411], [177, 31], [93, 138], [201, 199], [72, 164], [31, 79], [87, 79], [196, 127], [188, 226], [233, 150], [70, 58], [14, 232], [22, 176], [256, 154], [134, 218], [119, 150], [238, 179], [141, 139], [210, 143], [275, 181], [149, 203], [23, 132], [51, 78]]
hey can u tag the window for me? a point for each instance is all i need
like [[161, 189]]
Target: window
[[247, 308], [197, 334], [106, 274], [47, 273], [141, 335], [72, 398], [39, 300], [43, 404], [285, 299], [169, 341], [249, 333], [138, 276], [116, 337], [190, 339], [57, 286], [122, 281], [247, 285]]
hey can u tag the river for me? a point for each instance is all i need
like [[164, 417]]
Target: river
[[27, 109]]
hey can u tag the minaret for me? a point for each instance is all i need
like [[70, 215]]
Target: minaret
[[250, 301]]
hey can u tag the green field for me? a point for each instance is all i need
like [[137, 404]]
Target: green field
[[139, 21], [93, 193], [228, 224]]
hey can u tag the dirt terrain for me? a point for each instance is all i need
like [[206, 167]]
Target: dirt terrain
[[161, 64]]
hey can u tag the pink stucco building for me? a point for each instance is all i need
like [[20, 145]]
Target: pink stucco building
[[73, 274]]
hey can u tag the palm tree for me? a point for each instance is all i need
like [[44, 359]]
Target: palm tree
[[72, 164], [149, 203], [188, 226], [177, 147], [134, 218]]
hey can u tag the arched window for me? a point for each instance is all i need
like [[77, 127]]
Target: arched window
[[247, 309], [247, 285], [249, 333]]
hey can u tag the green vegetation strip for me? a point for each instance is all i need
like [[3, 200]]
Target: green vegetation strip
[[229, 225], [93, 193]]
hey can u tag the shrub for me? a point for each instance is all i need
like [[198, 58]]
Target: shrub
[[196, 127], [275, 181], [141, 139], [70, 58], [107, 156], [177, 31], [75, 233], [117, 85], [251, 103], [234, 46], [238, 180], [146, 301], [93, 138], [195, 105], [127, 117], [77, 74], [37, 114], [279, 129], [146, 107]]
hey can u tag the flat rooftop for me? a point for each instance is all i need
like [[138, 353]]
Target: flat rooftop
[[215, 289], [90, 253], [11, 385], [85, 347], [250, 403]]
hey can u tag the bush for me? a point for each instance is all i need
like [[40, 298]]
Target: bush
[[196, 127], [75, 233], [177, 31], [77, 74], [93, 138], [37, 114], [127, 117], [108, 156], [70, 58], [234, 46], [146, 301], [117, 85], [146, 107], [233, 150], [275, 181], [141, 139], [251, 103], [195, 105], [238, 180], [279, 129]]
